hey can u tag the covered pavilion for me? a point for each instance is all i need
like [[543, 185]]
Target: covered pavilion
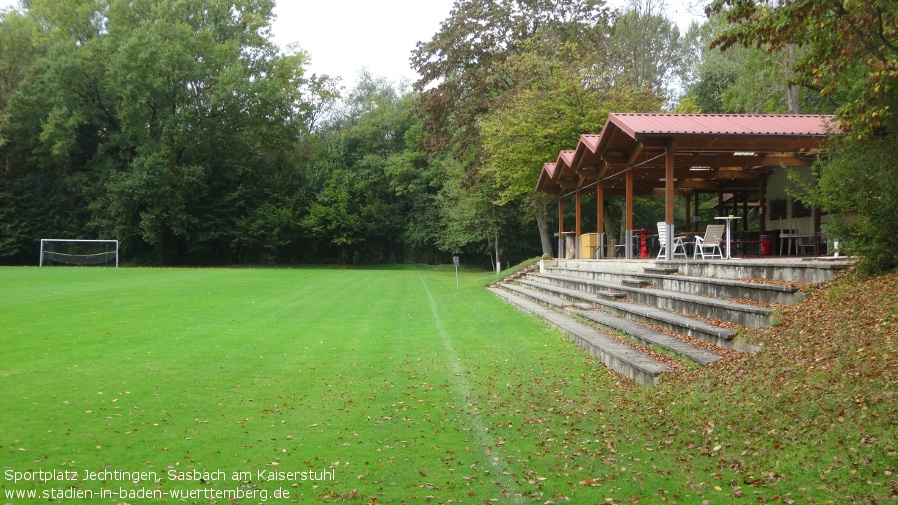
[[683, 154]]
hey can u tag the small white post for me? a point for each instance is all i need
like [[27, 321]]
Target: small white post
[[668, 242]]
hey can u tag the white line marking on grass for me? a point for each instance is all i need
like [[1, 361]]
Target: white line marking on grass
[[484, 438]]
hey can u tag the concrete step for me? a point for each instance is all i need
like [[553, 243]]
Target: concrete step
[[635, 283], [810, 270], [602, 292], [704, 306], [660, 270], [708, 286], [620, 322], [617, 356], [669, 321], [521, 273], [540, 297], [726, 288], [649, 336]]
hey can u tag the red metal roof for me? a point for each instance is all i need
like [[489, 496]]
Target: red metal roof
[[590, 141], [566, 157], [636, 139], [722, 124]]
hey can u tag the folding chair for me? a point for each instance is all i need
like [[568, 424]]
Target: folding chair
[[711, 241], [678, 244]]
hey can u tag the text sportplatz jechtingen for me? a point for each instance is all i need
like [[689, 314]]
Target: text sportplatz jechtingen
[[62, 483]]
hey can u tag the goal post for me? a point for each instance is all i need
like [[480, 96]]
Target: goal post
[[78, 252]]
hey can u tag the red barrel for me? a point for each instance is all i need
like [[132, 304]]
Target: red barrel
[[766, 245]]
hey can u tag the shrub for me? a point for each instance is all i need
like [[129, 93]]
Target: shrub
[[858, 180]]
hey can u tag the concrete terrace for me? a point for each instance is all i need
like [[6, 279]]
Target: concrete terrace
[[637, 315]]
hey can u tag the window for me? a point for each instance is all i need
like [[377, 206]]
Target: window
[[778, 208]]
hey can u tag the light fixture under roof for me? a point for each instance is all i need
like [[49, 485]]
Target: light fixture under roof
[[743, 153]]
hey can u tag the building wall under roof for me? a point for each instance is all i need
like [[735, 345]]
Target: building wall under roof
[[783, 211]]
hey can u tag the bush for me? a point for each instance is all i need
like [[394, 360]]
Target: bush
[[858, 180]]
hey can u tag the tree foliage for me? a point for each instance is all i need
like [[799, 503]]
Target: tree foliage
[[375, 181], [558, 99], [851, 50], [178, 127], [646, 47], [152, 114], [850, 54], [462, 67]]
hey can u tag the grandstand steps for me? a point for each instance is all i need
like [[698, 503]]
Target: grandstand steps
[[637, 316]]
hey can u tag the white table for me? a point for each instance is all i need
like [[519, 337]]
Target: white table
[[790, 239], [728, 219]]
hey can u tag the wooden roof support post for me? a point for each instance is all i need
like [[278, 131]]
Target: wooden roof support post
[[577, 225], [560, 226], [721, 209], [669, 184], [628, 246], [669, 192], [697, 214], [762, 204], [600, 217]]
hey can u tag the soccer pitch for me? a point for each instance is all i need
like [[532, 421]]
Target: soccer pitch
[[288, 386]]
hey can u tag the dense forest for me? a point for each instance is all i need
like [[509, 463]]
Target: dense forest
[[179, 128]]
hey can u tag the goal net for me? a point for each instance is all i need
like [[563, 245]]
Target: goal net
[[79, 252]]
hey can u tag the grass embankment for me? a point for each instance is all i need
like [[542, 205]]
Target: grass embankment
[[408, 391], [811, 419]]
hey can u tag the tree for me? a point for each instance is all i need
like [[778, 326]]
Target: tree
[[376, 180], [646, 46], [462, 67], [859, 180], [465, 74], [560, 96], [17, 55], [163, 117], [469, 212], [744, 80], [850, 54], [850, 50]]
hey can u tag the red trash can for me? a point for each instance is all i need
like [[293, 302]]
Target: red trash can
[[766, 245]]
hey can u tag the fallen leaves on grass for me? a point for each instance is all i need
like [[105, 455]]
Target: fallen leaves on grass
[[822, 392]]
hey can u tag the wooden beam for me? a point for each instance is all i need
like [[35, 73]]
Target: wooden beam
[[633, 153], [560, 226], [669, 182], [629, 214], [734, 143], [730, 160], [628, 223], [600, 207]]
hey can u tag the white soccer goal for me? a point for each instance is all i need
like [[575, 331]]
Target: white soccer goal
[[78, 252]]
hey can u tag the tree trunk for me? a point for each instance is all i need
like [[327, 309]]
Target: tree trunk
[[544, 230], [792, 91]]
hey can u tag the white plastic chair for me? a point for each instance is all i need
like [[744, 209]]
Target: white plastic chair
[[678, 244], [711, 241]]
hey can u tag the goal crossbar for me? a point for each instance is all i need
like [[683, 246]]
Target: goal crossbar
[[78, 259]]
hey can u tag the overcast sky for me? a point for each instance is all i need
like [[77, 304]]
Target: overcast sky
[[343, 36]]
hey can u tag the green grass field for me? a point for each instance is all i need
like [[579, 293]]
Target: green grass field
[[358, 385]]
